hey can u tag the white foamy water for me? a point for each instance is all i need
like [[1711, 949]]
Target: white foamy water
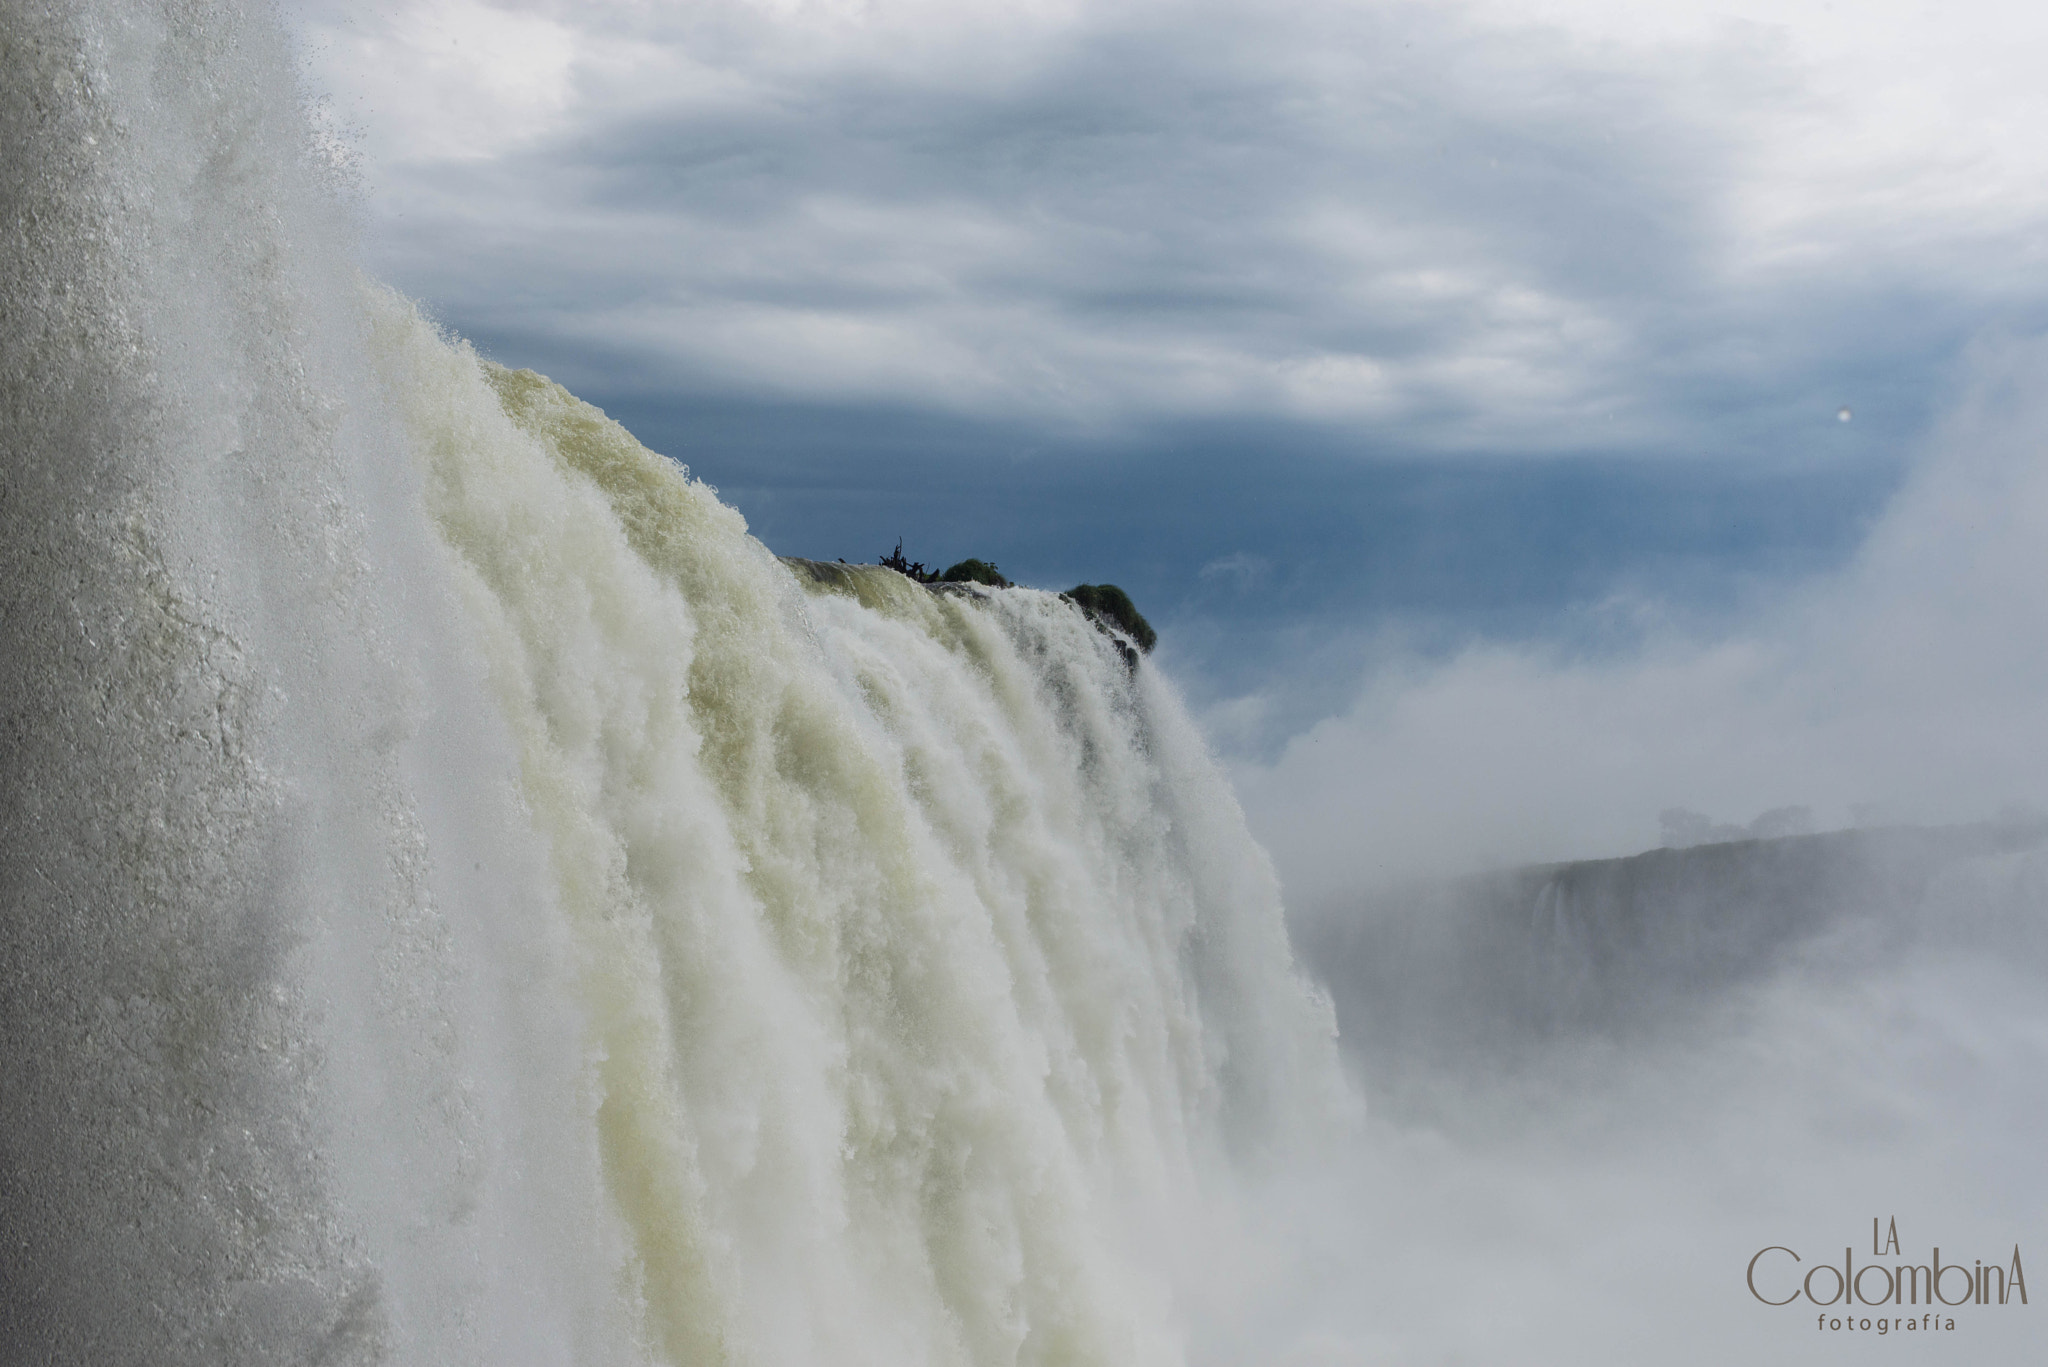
[[468, 901]]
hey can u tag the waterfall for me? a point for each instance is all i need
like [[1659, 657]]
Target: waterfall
[[465, 900]]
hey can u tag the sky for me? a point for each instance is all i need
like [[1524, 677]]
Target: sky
[[1520, 420]]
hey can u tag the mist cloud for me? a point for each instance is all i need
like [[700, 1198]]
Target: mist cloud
[[1904, 688]]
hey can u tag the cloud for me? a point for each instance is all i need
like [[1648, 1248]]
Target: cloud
[[1908, 684], [457, 81], [1437, 228]]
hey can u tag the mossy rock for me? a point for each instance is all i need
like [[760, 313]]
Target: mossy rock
[[975, 572], [966, 572], [1114, 606]]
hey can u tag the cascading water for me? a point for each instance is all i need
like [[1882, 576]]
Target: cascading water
[[465, 900]]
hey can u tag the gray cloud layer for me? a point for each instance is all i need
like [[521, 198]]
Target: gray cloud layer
[[1428, 231]]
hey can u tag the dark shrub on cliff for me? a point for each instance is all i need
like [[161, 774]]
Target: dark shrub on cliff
[[913, 568], [975, 572], [1114, 606]]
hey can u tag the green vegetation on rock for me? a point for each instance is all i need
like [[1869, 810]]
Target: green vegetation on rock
[[975, 572], [1114, 606]]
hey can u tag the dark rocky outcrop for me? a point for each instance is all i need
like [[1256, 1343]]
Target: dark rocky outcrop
[[1106, 605], [1110, 604]]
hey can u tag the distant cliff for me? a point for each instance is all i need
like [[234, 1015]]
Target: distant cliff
[[1498, 963]]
